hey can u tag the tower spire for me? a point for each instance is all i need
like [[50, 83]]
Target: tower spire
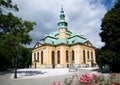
[[62, 23], [62, 7]]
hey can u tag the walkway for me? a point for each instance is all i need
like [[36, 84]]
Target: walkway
[[48, 80]]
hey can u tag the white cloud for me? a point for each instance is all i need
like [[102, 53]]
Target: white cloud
[[82, 16]]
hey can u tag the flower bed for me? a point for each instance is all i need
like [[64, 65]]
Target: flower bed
[[94, 79]]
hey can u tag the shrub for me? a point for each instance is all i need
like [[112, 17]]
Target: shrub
[[94, 79]]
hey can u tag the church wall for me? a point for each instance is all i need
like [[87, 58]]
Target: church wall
[[78, 49], [38, 62], [35, 60], [62, 49], [50, 49], [73, 48], [88, 49], [47, 55]]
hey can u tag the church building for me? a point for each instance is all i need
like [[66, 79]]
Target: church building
[[62, 48]]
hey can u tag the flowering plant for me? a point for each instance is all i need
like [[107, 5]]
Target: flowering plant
[[93, 79]]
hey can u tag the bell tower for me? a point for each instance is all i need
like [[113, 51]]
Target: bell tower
[[62, 25]]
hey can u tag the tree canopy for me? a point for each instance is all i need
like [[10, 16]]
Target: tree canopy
[[13, 32], [110, 34]]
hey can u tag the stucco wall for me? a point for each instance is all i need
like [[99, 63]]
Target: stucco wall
[[47, 55]]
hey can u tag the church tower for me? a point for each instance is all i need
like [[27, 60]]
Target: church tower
[[62, 26]]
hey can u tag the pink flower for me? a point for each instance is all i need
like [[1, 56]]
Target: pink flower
[[73, 76], [58, 83], [85, 78], [54, 83], [94, 75]]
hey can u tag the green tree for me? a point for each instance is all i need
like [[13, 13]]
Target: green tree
[[110, 34], [25, 59], [98, 53], [13, 33]]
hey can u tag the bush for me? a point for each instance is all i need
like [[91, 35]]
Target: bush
[[94, 79]]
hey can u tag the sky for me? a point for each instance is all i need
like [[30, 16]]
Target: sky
[[83, 17]]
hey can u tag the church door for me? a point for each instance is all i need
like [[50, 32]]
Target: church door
[[35, 65]]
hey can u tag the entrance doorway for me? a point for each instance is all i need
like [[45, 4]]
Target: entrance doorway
[[35, 65]]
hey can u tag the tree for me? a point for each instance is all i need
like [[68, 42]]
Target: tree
[[98, 53], [110, 34], [25, 59], [13, 32]]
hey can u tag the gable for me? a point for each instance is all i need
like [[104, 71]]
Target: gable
[[88, 44], [37, 45]]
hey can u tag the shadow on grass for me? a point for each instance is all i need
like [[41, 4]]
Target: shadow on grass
[[6, 72], [105, 70], [30, 73], [26, 73], [102, 70]]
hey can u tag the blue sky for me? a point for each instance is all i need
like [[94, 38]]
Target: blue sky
[[83, 17], [107, 3]]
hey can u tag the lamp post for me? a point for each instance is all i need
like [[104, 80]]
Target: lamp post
[[16, 61]]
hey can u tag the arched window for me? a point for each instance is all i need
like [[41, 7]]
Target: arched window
[[73, 55], [92, 58], [53, 57], [84, 56], [41, 57], [58, 57], [88, 54], [67, 57], [38, 56], [91, 55], [34, 56]]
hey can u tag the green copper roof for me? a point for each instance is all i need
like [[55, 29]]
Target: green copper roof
[[54, 41], [54, 34]]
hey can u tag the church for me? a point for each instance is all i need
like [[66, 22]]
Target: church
[[62, 48]]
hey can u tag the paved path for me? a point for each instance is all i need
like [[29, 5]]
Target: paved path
[[5, 79]]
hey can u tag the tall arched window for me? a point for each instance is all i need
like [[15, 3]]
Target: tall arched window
[[91, 55], [38, 56], [88, 54], [53, 57], [41, 57], [34, 56], [67, 57], [58, 57], [84, 57], [73, 55], [92, 58]]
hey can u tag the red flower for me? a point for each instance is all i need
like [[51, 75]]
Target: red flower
[[113, 83], [85, 78]]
